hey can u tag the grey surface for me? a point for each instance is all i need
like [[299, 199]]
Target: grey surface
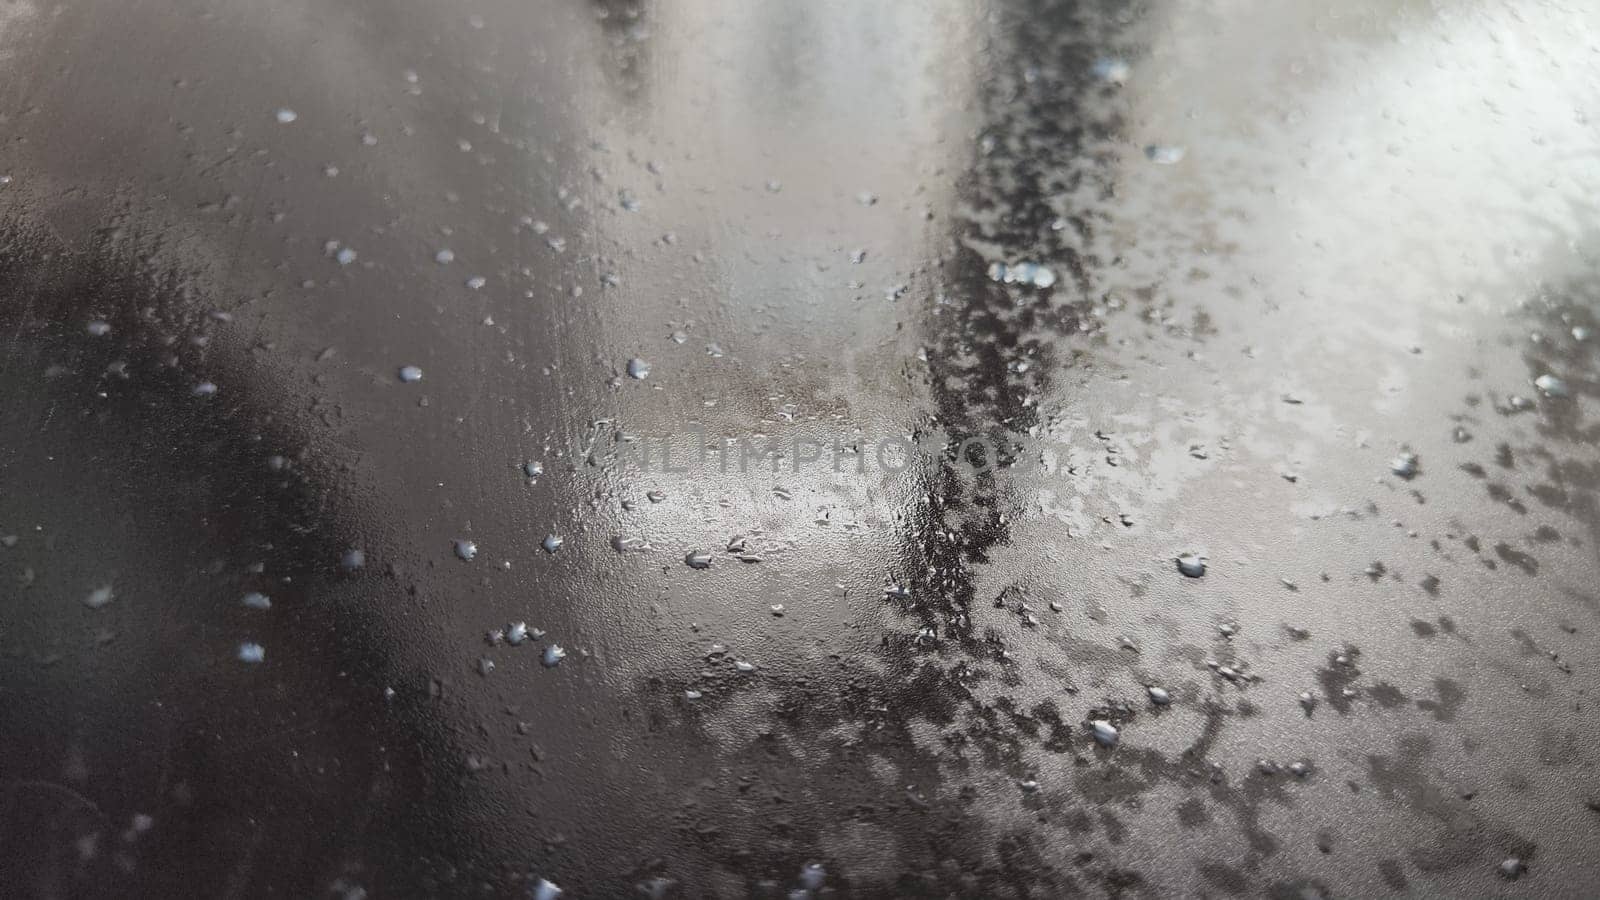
[[1378, 234]]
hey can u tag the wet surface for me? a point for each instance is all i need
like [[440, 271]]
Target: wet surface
[[1185, 427]]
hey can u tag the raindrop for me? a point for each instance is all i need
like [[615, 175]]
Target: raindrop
[[466, 550], [638, 369], [1111, 70], [205, 389], [1551, 386], [1026, 273], [516, 633], [1105, 733], [812, 875], [353, 559], [345, 256], [655, 496], [745, 667], [698, 559], [551, 543], [99, 597], [1512, 868], [252, 653], [1580, 333], [553, 655], [444, 257], [1406, 465], [546, 890], [285, 116], [1159, 696], [1191, 565], [257, 600], [99, 328], [1164, 154], [477, 282], [410, 374]]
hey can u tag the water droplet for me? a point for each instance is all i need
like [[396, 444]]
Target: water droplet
[[352, 560], [257, 600], [698, 559], [252, 653], [466, 550], [99, 598], [410, 374], [516, 633], [1406, 465], [1191, 565], [1551, 386], [553, 655], [1164, 154], [812, 875], [745, 667], [546, 890], [1580, 333], [1105, 733], [639, 369], [444, 257], [655, 496], [1512, 868], [99, 328], [867, 198], [205, 389], [551, 543], [285, 116], [345, 256], [1159, 696]]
